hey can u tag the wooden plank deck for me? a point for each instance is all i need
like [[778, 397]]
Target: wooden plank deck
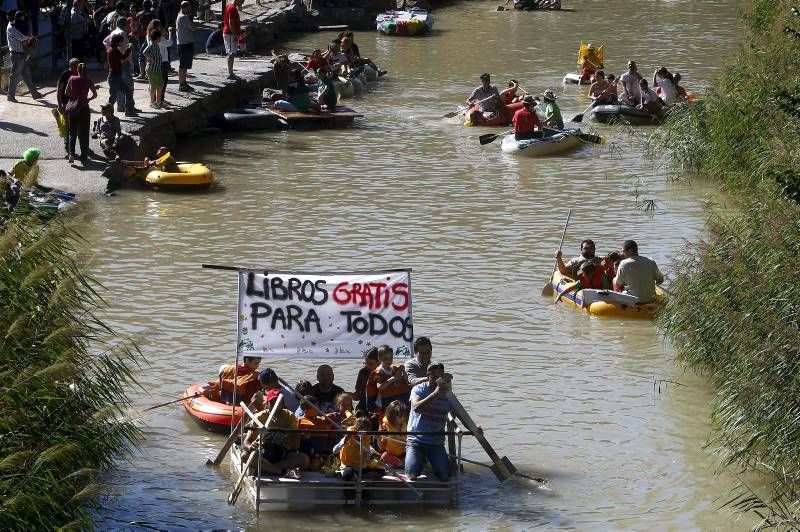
[[341, 113]]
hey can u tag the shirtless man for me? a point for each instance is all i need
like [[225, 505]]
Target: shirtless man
[[602, 91]]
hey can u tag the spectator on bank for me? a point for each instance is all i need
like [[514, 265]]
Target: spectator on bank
[[143, 20], [78, 112], [61, 96], [125, 65], [19, 45], [215, 44], [79, 29], [118, 82], [185, 29], [153, 56], [231, 31]]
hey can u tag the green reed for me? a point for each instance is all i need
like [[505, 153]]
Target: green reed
[[62, 378], [735, 315]]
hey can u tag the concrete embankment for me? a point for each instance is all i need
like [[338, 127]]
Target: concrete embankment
[[30, 123]]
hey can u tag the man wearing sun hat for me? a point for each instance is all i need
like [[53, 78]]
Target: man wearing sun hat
[[552, 113], [526, 123]]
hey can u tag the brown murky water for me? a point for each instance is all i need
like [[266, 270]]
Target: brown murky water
[[563, 395]]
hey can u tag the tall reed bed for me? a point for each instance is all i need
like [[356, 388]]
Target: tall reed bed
[[62, 387], [735, 316]]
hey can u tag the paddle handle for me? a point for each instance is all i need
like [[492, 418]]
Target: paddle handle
[[561, 244]]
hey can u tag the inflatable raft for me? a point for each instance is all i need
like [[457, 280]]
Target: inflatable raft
[[210, 414], [414, 22], [606, 303], [566, 141], [190, 175], [502, 117], [622, 113], [575, 78], [250, 119]]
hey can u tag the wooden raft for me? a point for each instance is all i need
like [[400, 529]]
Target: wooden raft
[[341, 115]]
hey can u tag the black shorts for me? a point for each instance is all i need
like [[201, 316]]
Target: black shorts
[[273, 453], [185, 55]]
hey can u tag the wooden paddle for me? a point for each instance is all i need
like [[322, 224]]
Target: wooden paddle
[[540, 480], [491, 137], [579, 118], [232, 438], [547, 291], [196, 394], [503, 469], [237, 488]]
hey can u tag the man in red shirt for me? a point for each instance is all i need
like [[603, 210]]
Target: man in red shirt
[[526, 123], [231, 31]]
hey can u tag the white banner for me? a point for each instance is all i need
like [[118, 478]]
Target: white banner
[[310, 315]]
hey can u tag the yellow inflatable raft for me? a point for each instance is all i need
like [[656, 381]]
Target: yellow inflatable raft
[[190, 175], [606, 302]]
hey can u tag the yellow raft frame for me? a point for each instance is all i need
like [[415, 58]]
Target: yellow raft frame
[[190, 175], [606, 303]]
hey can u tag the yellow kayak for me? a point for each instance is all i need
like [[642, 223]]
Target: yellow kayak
[[190, 175], [605, 302]]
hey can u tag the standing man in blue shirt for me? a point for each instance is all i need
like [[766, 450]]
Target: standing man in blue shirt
[[429, 408]]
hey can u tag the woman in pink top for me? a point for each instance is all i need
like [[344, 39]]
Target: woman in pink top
[[78, 112]]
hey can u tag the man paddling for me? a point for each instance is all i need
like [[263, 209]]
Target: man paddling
[[571, 267], [246, 376], [602, 92], [637, 275], [486, 96], [526, 123]]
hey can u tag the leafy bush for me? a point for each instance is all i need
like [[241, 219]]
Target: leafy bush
[[61, 387]]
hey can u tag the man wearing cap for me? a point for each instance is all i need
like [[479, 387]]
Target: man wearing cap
[[279, 450], [486, 96], [552, 113], [184, 32], [247, 378], [526, 123], [429, 408]]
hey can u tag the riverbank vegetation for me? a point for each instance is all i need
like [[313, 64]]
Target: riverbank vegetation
[[735, 315], [61, 388]]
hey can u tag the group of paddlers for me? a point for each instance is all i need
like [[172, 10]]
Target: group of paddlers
[[387, 397], [636, 92]]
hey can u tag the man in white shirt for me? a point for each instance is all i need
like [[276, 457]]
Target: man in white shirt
[[127, 64], [631, 94], [185, 29], [18, 44], [637, 275]]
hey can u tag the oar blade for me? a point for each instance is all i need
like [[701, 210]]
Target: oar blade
[[501, 8], [488, 138], [578, 118], [547, 291]]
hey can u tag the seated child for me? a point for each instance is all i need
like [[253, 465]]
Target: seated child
[[609, 266], [303, 388], [315, 447], [395, 419], [344, 410], [355, 452], [590, 275]]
